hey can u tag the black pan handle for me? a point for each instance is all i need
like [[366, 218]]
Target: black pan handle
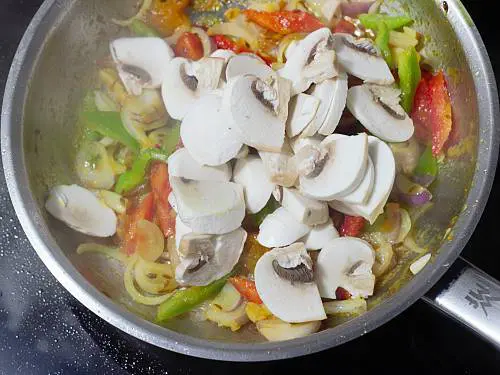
[[471, 297]]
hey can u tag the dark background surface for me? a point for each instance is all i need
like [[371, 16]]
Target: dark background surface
[[44, 330]]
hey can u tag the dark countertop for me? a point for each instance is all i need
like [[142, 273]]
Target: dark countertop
[[44, 330]]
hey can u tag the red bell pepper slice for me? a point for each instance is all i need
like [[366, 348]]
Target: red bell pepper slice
[[144, 210], [352, 226], [246, 288], [161, 189], [284, 21], [189, 46], [224, 42], [345, 27]]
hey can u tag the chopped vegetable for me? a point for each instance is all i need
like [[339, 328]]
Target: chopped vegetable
[[352, 226], [161, 189], [427, 168], [344, 27], [139, 28], [409, 76], [284, 21], [224, 42], [149, 240], [186, 299], [341, 294], [189, 46], [143, 210], [168, 15], [382, 42], [257, 312], [251, 254], [246, 288], [234, 319], [412, 193], [372, 21], [355, 306], [420, 263]]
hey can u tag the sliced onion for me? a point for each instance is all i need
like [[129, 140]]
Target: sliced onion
[[93, 166], [354, 9], [405, 227], [110, 252], [383, 259], [113, 200], [410, 244], [355, 306], [104, 102], [411, 193], [150, 240]]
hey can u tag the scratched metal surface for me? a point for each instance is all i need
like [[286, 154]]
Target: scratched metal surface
[[44, 330]]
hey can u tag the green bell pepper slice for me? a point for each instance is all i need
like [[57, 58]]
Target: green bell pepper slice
[[382, 42], [427, 167], [372, 21], [139, 28], [409, 76]]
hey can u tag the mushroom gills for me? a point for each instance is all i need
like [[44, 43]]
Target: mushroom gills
[[320, 236], [362, 59], [346, 262], [210, 207], [378, 109], [281, 229], [284, 281], [301, 113], [181, 164], [81, 210], [305, 210]]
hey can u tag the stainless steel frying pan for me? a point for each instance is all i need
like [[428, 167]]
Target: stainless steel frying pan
[[54, 66]]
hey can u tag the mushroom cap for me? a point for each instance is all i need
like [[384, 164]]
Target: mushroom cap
[[362, 59], [388, 120], [141, 62], [186, 80], [258, 110], [281, 229], [81, 210], [181, 230], [211, 207], [224, 54], [324, 92], [247, 64], [206, 133], [301, 113], [257, 187], [172, 202], [320, 236], [304, 209], [337, 105], [227, 249], [343, 170], [385, 173], [182, 164], [361, 194], [293, 302], [311, 60], [346, 262]]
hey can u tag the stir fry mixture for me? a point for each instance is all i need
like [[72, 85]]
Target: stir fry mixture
[[264, 170]]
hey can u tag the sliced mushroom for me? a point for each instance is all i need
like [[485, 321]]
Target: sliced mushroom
[[182, 164], [303, 209], [280, 166], [378, 109], [337, 105], [385, 173], [181, 230], [324, 92], [346, 262], [185, 81], [258, 109], [320, 236], [299, 142], [226, 55], [141, 62], [301, 113], [278, 330], [81, 210], [361, 194], [281, 229], [211, 207], [361, 58], [206, 133], [248, 64], [251, 174], [206, 258], [285, 282], [310, 61], [172, 202], [342, 170]]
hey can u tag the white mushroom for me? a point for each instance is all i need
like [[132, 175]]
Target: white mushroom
[[320, 236], [361, 194], [281, 229], [186, 80], [141, 62], [224, 54], [280, 166], [324, 92], [310, 61], [299, 142], [301, 113], [278, 330], [81, 210], [258, 110], [172, 202], [361, 58], [211, 207], [385, 173], [181, 230], [248, 64], [337, 105], [378, 109], [303, 209], [206, 133], [346, 262], [284, 279], [339, 169], [205, 258], [251, 174], [182, 164]]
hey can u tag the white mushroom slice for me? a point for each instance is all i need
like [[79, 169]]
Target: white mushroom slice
[[251, 174], [310, 61], [211, 207], [378, 109], [141, 62], [339, 171], [320, 236], [181, 230], [361, 58], [185, 81], [284, 279], [224, 54], [280, 166], [206, 133], [346, 262], [385, 173], [420, 263], [361, 194], [248, 64], [301, 113], [299, 142], [281, 229], [258, 110], [303, 209], [172, 202], [278, 330], [81, 210], [205, 258], [182, 164], [323, 91], [337, 105]]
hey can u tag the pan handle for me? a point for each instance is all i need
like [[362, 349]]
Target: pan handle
[[471, 297]]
